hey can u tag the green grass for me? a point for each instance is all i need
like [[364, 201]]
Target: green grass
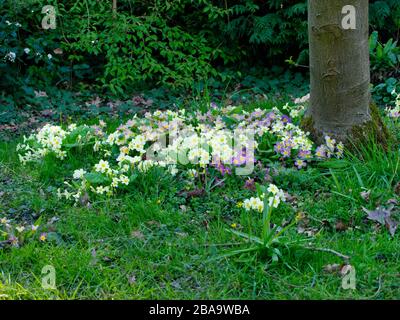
[[153, 243]]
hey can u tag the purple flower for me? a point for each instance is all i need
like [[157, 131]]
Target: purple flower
[[300, 163], [250, 184], [121, 127], [242, 157], [286, 152], [278, 147], [321, 152], [13, 240], [271, 116], [130, 123], [267, 175], [286, 119], [284, 148], [256, 114], [304, 154], [223, 169]]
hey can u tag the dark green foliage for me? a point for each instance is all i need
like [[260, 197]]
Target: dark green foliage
[[385, 58], [156, 43], [385, 17], [385, 69], [383, 92]]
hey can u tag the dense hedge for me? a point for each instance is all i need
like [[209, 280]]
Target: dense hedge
[[162, 42]]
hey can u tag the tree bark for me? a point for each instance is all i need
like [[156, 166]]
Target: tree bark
[[114, 7], [339, 69]]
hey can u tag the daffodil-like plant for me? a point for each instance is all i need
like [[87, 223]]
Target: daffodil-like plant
[[271, 238], [268, 199]]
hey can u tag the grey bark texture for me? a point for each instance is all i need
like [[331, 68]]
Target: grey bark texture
[[114, 7], [339, 68]]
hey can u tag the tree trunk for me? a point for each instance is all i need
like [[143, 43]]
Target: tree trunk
[[339, 68], [114, 7]]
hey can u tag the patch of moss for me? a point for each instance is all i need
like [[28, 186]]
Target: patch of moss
[[374, 130], [307, 125]]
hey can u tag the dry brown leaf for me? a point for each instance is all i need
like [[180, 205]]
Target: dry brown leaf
[[195, 193], [58, 51], [332, 268], [340, 226], [397, 189], [153, 223], [383, 217]]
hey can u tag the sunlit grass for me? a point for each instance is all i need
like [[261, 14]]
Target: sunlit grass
[[154, 243]]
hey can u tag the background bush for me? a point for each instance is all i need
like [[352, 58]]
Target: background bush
[[171, 43]]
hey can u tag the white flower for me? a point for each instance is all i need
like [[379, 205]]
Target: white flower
[[122, 157], [20, 229], [102, 166], [246, 205], [78, 174], [273, 189], [49, 56], [330, 143], [67, 194], [102, 190], [145, 165], [124, 150], [302, 99], [27, 50], [253, 204], [294, 113], [192, 173], [124, 180], [96, 146], [173, 170], [10, 56], [274, 201]]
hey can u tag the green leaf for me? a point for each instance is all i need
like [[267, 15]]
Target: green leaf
[[96, 178], [133, 177], [247, 236]]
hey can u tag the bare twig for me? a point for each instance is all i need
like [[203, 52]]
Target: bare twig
[[222, 244], [340, 255]]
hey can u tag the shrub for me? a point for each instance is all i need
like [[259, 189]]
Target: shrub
[[161, 42]]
